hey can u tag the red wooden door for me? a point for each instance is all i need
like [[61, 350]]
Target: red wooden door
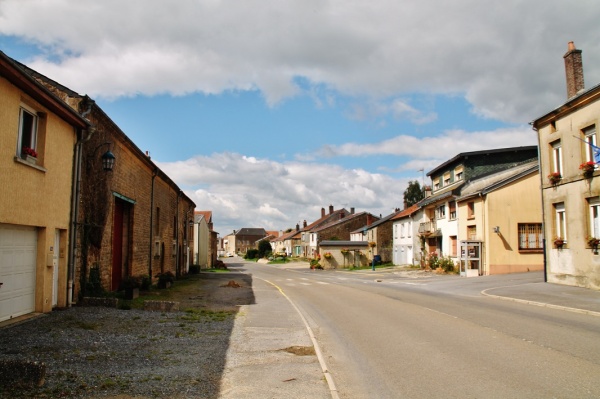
[[117, 245]]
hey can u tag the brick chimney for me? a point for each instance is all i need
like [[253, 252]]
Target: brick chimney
[[352, 211], [330, 209], [342, 214], [574, 70], [322, 212], [369, 219], [304, 224], [297, 227]]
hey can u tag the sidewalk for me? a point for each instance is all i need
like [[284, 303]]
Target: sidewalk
[[271, 354], [574, 299]]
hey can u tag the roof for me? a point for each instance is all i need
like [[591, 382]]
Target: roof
[[475, 153], [443, 194], [17, 74], [581, 99], [407, 212], [343, 220], [497, 180], [324, 219], [207, 215], [286, 236], [251, 231]]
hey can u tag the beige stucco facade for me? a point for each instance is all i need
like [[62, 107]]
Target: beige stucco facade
[[495, 221], [576, 263], [36, 194]]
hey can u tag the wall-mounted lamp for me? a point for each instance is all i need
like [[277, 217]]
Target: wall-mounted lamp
[[108, 161], [497, 229], [108, 158]]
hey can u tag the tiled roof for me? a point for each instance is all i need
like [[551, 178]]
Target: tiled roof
[[343, 220], [407, 212]]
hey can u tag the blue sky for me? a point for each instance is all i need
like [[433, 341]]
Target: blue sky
[[266, 113]]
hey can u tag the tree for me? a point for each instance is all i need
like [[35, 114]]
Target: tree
[[413, 193], [264, 248]]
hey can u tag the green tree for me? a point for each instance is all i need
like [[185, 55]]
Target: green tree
[[413, 193], [264, 248]]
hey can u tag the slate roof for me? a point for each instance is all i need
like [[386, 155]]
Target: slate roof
[[251, 231], [497, 180]]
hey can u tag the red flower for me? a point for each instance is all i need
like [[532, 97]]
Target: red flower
[[29, 151]]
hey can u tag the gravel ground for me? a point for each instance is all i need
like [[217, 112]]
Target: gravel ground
[[93, 352]]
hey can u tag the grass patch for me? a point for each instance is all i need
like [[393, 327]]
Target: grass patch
[[216, 271], [198, 315]]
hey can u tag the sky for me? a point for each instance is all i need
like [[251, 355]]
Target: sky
[[266, 112]]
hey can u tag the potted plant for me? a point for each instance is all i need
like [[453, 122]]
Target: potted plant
[[29, 154], [372, 244], [131, 285], [165, 279], [559, 242], [593, 242], [327, 255], [587, 168], [554, 177]]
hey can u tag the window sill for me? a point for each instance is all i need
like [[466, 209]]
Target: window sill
[[531, 251], [31, 165]]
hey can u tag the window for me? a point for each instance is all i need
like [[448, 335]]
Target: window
[[437, 184], [557, 157], [560, 227], [452, 209], [28, 127], [402, 230], [409, 228], [589, 136], [594, 206], [395, 231], [441, 211], [447, 179], [458, 173], [470, 210], [530, 236], [471, 232]]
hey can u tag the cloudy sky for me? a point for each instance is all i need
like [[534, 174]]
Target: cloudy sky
[[264, 112]]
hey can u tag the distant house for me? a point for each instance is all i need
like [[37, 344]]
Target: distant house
[[338, 230], [571, 181], [306, 249], [40, 136], [205, 240], [406, 241], [380, 236], [244, 239]]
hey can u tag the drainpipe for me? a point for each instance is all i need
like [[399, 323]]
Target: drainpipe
[[545, 260], [154, 173], [75, 199]]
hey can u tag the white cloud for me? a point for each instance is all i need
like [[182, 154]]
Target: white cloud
[[505, 57], [444, 146], [249, 192]]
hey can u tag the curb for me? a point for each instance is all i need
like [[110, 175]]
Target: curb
[[541, 304]]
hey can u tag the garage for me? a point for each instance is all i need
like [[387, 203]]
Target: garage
[[18, 248]]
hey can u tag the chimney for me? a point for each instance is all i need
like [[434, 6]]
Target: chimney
[[574, 70], [330, 209], [297, 227], [352, 211], [369, 219], [322, 212], [427, 191], [342, 214], [304, 223]]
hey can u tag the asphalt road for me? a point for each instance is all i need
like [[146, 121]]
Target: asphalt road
[[398, 336]]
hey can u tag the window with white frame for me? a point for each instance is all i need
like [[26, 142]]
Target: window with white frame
[[409, 229], [28, 128], [560, 226], [530, 236], [437, 184], [458, 173], [441, 212], [447, 179], [395, 231], [589, 135], [557, 157], [594, 209], [452, 209]]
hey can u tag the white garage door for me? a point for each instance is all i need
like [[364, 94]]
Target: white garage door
[[18, 248]]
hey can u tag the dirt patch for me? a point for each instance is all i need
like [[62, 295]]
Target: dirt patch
[[301, 350], [232, 284]]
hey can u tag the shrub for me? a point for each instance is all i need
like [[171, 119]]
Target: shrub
[[251, 254], [264, 249]]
